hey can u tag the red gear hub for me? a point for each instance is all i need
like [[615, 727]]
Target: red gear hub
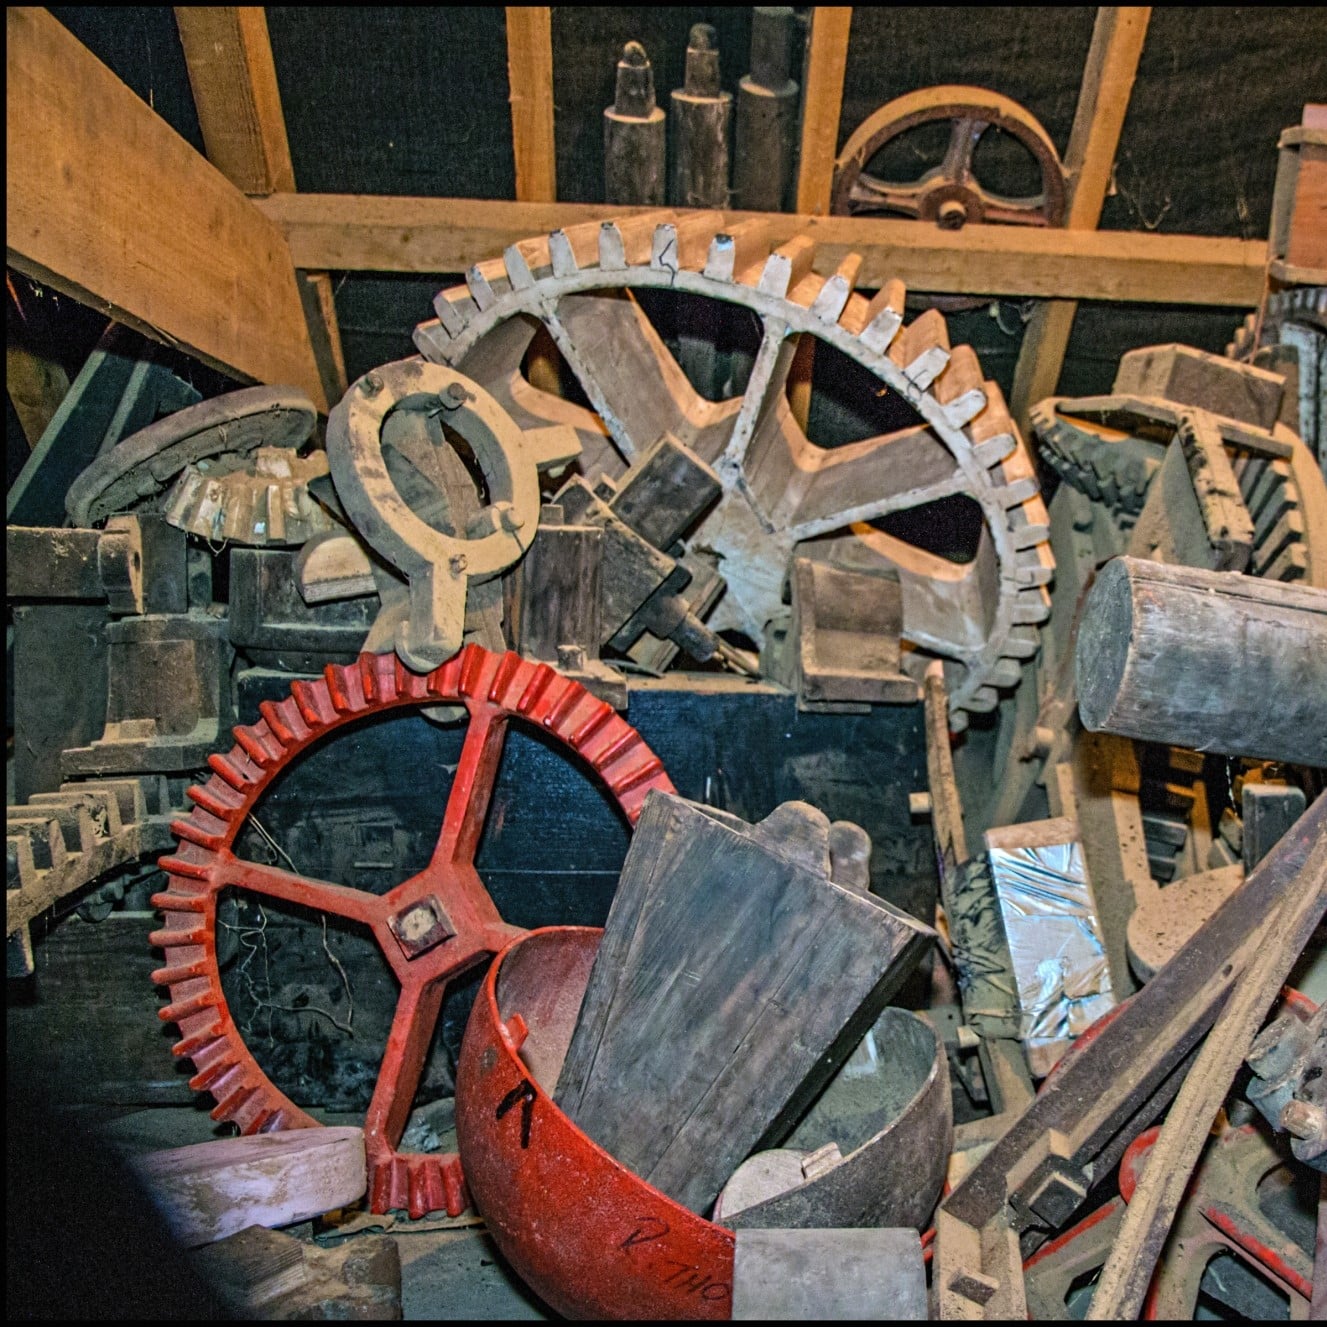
[[431, 927]]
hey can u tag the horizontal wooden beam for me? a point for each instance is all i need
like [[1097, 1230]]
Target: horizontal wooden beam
[[375, 233], [105, 202]]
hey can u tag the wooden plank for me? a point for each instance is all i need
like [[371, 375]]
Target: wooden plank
[[107, 204], [1103, 101], [233, 77], [822, 101], [733, 977], [378, 233], [229, 57], [315, 289], [207, 1191], [530, 73]]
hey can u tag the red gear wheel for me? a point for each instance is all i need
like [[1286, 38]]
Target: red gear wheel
[[430, 927]]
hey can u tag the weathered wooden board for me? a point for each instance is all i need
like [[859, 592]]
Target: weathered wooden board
[[207, 1191], [374, 233], [732, 978], [105, 202]]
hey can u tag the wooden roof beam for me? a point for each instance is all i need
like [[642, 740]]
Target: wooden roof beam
[[378, 233], [233, 76], [1103, 102], [109, 205]]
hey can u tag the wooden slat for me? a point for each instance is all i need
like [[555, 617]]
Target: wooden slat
[[438, 235], [1103, 101], [233, 78], [233, 75], [109, 205], [530, 72], [822, 100]]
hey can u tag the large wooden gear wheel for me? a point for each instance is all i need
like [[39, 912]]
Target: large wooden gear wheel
[[431, 927], [780, 491]]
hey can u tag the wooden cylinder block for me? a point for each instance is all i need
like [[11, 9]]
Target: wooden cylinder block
[[1215, 661]]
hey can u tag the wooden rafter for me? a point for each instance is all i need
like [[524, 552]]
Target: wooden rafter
[[822, 102], [437, 235], [108, 204], [233, 76], [530, 75], [1108, 78]]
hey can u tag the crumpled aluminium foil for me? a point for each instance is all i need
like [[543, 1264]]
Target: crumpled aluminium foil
[[1056, 944]]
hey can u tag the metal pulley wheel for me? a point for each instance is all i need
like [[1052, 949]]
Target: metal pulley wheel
[[949, 193], [438, 565], [430, 928]]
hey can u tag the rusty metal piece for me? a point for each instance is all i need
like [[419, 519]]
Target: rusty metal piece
[[589, 1237], [438, 566], [890, 1151], [1289, 1062], [949, 194], [494, 689], [261, 498], [1222, 1214], [780, 492], [145, 462]]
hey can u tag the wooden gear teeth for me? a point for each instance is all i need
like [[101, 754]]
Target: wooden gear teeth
[[779, 489]]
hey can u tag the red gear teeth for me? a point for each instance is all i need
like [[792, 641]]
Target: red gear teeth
[[500, 686]]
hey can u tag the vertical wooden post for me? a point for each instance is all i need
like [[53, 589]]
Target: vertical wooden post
[[1108, 78], [530, 77], [229, 57], [530, 72], [822, 102]]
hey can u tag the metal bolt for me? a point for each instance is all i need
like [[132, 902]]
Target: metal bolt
[[457, 394], [371, 384], [1304, 1120], [458, 563], [952, 215]]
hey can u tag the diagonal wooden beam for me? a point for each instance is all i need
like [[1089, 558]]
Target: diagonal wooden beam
[[106, 203], [530, 74], [229, 57], [1103, 101], [233, 77]]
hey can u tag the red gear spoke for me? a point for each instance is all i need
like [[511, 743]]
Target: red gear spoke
[[472, 788], [289, 886], [408, 1044], [494, 688]]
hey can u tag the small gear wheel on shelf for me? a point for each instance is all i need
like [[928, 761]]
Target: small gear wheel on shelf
[[781, 494], [431, 927], [949, 193]]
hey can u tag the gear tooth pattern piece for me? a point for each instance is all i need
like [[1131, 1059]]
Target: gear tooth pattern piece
[[580, 284], [494, 688]]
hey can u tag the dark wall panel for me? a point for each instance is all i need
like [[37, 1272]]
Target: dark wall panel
[[391, 100]]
